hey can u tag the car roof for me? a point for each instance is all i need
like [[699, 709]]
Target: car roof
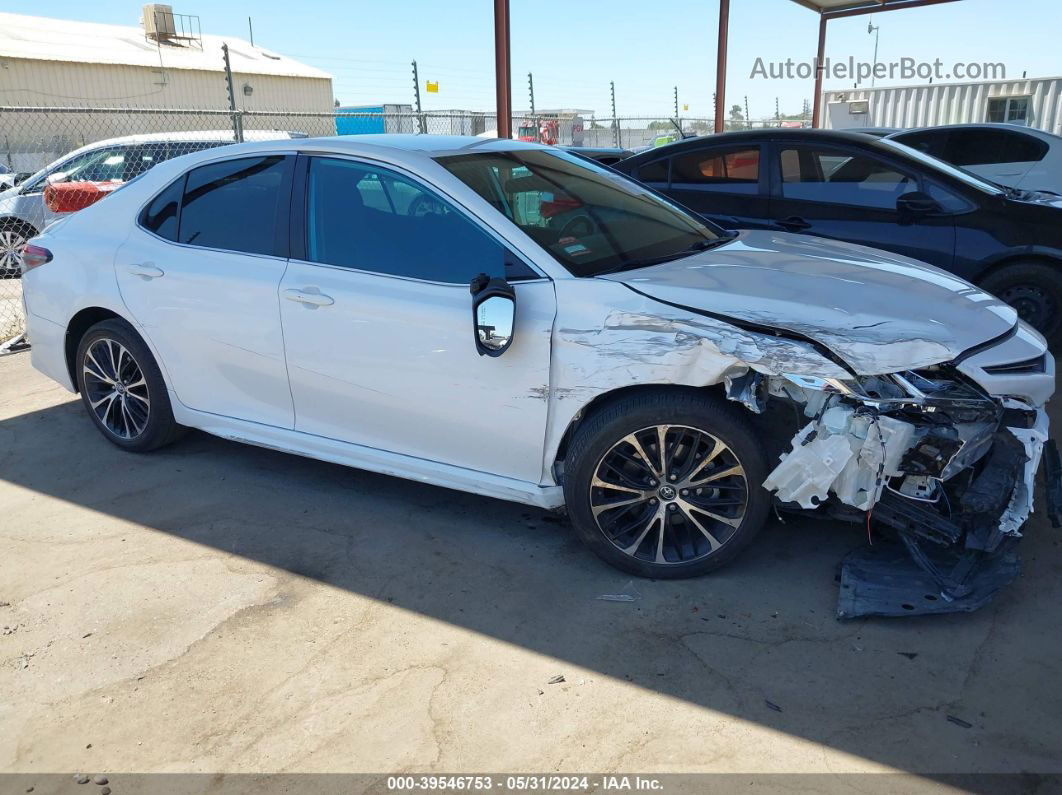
[[411, 144], [429, 145], [179, 136], [763, 134], [1017, 128]]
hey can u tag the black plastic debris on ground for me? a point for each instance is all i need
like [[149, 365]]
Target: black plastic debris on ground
[[884, 580]]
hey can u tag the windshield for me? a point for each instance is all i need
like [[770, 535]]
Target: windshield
[[967, 177], [590, 218]]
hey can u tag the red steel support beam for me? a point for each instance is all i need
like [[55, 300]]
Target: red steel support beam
[[502, 72], [820, 67], [720, 64]]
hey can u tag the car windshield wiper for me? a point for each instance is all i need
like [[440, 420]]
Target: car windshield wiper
[[700, 245]]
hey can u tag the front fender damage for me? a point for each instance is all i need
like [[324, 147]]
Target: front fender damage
[[927, 455]]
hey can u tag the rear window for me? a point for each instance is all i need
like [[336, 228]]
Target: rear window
[[234, 205], [160, 216], [730, 168]]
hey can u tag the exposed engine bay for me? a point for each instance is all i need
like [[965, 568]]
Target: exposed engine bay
[[927, 455]]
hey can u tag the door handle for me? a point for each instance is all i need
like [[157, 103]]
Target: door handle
[[794, 223], [145, 269], [311, 299]]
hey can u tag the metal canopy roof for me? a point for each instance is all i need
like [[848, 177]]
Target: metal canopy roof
[[843, 8], [827, 10]]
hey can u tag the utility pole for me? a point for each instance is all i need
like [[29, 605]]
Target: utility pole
[[250, 30], [531, 93], [503, 76], [876, 30], [748, 118], [237, 122], [615, 121], [416, 97], [777, 111]]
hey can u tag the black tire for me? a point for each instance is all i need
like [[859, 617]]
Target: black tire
[[688, 412], [148, 402], [1035, 290], [12, 233]]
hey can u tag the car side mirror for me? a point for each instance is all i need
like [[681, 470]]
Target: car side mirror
[[493, 314], [917, 203]]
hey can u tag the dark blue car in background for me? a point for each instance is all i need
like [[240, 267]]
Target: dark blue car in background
[[863, 189]]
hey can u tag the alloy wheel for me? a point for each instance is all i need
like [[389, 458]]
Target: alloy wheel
[[116, 389], [669, 494], [11, 241]]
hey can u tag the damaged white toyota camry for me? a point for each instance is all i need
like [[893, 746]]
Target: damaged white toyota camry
[[668, 383]]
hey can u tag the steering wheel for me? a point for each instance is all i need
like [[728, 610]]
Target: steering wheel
[[425, 204], [578, 227]]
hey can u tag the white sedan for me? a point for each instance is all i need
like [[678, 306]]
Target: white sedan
[[1011, 155], [515, 321]]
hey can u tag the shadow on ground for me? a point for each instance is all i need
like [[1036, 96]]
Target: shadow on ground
[[758, 640]]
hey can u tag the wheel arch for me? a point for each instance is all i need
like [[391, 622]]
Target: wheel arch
[[1016, 258], [79, 324], [602, 400]]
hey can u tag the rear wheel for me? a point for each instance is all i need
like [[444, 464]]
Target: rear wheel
[[1035, 290], [122, 388], [13, 235], [666, 484]]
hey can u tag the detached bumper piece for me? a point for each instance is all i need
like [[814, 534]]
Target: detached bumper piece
[[943, 565], [950, 471], [887, 580]]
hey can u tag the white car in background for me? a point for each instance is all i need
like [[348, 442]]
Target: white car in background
[[23, 212], [7, 177], [635, 364], [1011, 155]]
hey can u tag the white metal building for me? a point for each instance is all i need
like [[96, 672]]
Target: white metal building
[[1035, 102], [163, 63]]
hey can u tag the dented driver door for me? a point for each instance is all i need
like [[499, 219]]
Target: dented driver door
[[378, 327]]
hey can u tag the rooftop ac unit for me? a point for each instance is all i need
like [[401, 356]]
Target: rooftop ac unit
[[158, 22]]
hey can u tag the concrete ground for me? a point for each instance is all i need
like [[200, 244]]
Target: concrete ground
[[216, 607]]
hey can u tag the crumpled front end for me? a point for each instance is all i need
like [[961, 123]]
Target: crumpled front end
[[936, 457]]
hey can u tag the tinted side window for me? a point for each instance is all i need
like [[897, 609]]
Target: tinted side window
[[840, 178], [233, 205], [932, 142], [160, 216], [654, 172], [372, 219], [731, 171], [988, 147], [947, 200]]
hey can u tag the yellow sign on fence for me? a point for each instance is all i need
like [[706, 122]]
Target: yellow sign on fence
[[433, 86]]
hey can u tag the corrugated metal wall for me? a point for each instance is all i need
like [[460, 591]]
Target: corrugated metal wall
[[922, 106], [58, 83], [32, 139]]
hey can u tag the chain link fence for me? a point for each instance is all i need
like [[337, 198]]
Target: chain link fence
[[57, 160]]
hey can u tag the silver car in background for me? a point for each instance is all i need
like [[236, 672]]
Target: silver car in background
[[24, 214]]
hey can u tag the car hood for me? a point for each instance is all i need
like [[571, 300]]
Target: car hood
[[879, 312]]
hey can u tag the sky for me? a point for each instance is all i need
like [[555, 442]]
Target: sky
[[575, 48]]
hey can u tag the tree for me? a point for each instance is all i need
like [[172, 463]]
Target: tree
[[661, 125], [736, 113]]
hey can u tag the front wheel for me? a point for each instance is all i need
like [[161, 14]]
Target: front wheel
[[666, 483], [123, 389], [1035, 290]]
